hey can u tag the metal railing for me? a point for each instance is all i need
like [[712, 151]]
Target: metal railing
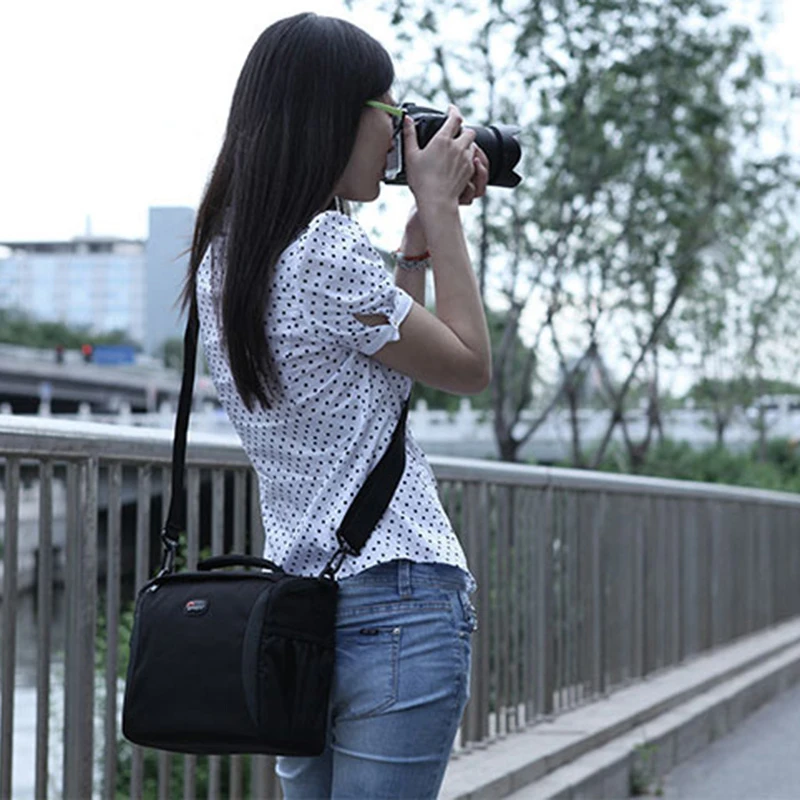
[[587, 582]]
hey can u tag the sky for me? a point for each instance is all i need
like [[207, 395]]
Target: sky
[[109, 108]]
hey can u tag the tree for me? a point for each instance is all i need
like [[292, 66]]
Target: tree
[[743, 318], [18, 327], [171, 352], [640, 130]]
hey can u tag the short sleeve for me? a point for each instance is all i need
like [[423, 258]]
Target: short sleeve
[[341, 275]]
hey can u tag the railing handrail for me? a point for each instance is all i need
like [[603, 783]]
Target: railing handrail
[[499, 472], [49, 438], [39, 437]]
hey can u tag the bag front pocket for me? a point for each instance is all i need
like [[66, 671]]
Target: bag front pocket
[[294, 683]]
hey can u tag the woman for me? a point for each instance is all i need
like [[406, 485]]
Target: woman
[[313, 350]]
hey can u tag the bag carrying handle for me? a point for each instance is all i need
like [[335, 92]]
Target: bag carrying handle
[[236, 560], [366, 509]]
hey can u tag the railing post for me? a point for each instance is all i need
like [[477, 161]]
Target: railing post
[[544, 605], [639, 592], [10, 566], [113, 576], [527, 525], [71, 585], [44, 581], [79, 678], [598, 605], [141, 574], [501, 629], [475, 530]]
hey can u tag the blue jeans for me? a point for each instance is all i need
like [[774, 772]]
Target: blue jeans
[[400, 686]]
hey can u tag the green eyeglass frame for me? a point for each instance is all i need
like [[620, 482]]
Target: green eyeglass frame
[[395, 111]]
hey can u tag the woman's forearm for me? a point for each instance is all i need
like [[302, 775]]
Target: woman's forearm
[[413, 244], [458, 301], [411, 281]]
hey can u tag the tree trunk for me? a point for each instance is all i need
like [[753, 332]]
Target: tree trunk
[[571, 393], [762, 435], [509, 449], [720, 426], [507, 445]]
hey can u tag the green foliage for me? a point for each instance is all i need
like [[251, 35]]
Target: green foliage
[[175, 780], [19, 328], [434, 398], [678, 460], [707, 389], [124, 629], [643, 772], [742, 391], [171, 351]]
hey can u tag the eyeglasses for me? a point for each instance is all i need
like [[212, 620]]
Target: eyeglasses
[[396, 113]]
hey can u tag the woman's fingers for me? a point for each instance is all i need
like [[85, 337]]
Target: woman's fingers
[[410, 144], [452, 123], [466, 138], [468, 195], [481, 178]]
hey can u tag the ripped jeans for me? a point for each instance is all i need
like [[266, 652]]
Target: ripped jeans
[[401, 682]]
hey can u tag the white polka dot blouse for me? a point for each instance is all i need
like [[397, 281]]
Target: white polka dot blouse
[[337, 407]]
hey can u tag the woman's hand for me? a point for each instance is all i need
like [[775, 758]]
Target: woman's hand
[[440, 174], [477, 185]]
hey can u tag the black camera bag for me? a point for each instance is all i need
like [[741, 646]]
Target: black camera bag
[[240, 661]]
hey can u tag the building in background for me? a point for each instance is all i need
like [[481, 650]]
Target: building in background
[[105, 282], [166, 259]]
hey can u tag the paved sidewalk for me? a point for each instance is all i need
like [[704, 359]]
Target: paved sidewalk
[[591, 751], [760, 760]]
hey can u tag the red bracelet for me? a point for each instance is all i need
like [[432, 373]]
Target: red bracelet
[[404, 257]]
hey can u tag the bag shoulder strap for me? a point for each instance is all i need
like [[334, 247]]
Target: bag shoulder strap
[[363, 514]]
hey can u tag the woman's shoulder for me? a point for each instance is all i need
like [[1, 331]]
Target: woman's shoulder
[[331, 238]]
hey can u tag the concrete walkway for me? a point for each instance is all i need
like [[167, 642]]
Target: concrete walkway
[[760, 760], [643, 732]]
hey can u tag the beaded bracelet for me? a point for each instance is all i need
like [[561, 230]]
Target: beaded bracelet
[[410, 263]]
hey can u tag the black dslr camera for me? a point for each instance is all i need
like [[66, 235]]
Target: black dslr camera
[[499, 142]]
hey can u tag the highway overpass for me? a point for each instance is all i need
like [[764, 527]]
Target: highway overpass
[[29, 378]]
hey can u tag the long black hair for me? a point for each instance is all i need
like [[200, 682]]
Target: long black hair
[[291, 129]]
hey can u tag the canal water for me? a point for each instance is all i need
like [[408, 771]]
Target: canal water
[[25, 709]]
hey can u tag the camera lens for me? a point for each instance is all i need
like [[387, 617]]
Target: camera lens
[[501, 146]]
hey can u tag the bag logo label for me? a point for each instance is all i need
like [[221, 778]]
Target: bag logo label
[[194, 608]]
